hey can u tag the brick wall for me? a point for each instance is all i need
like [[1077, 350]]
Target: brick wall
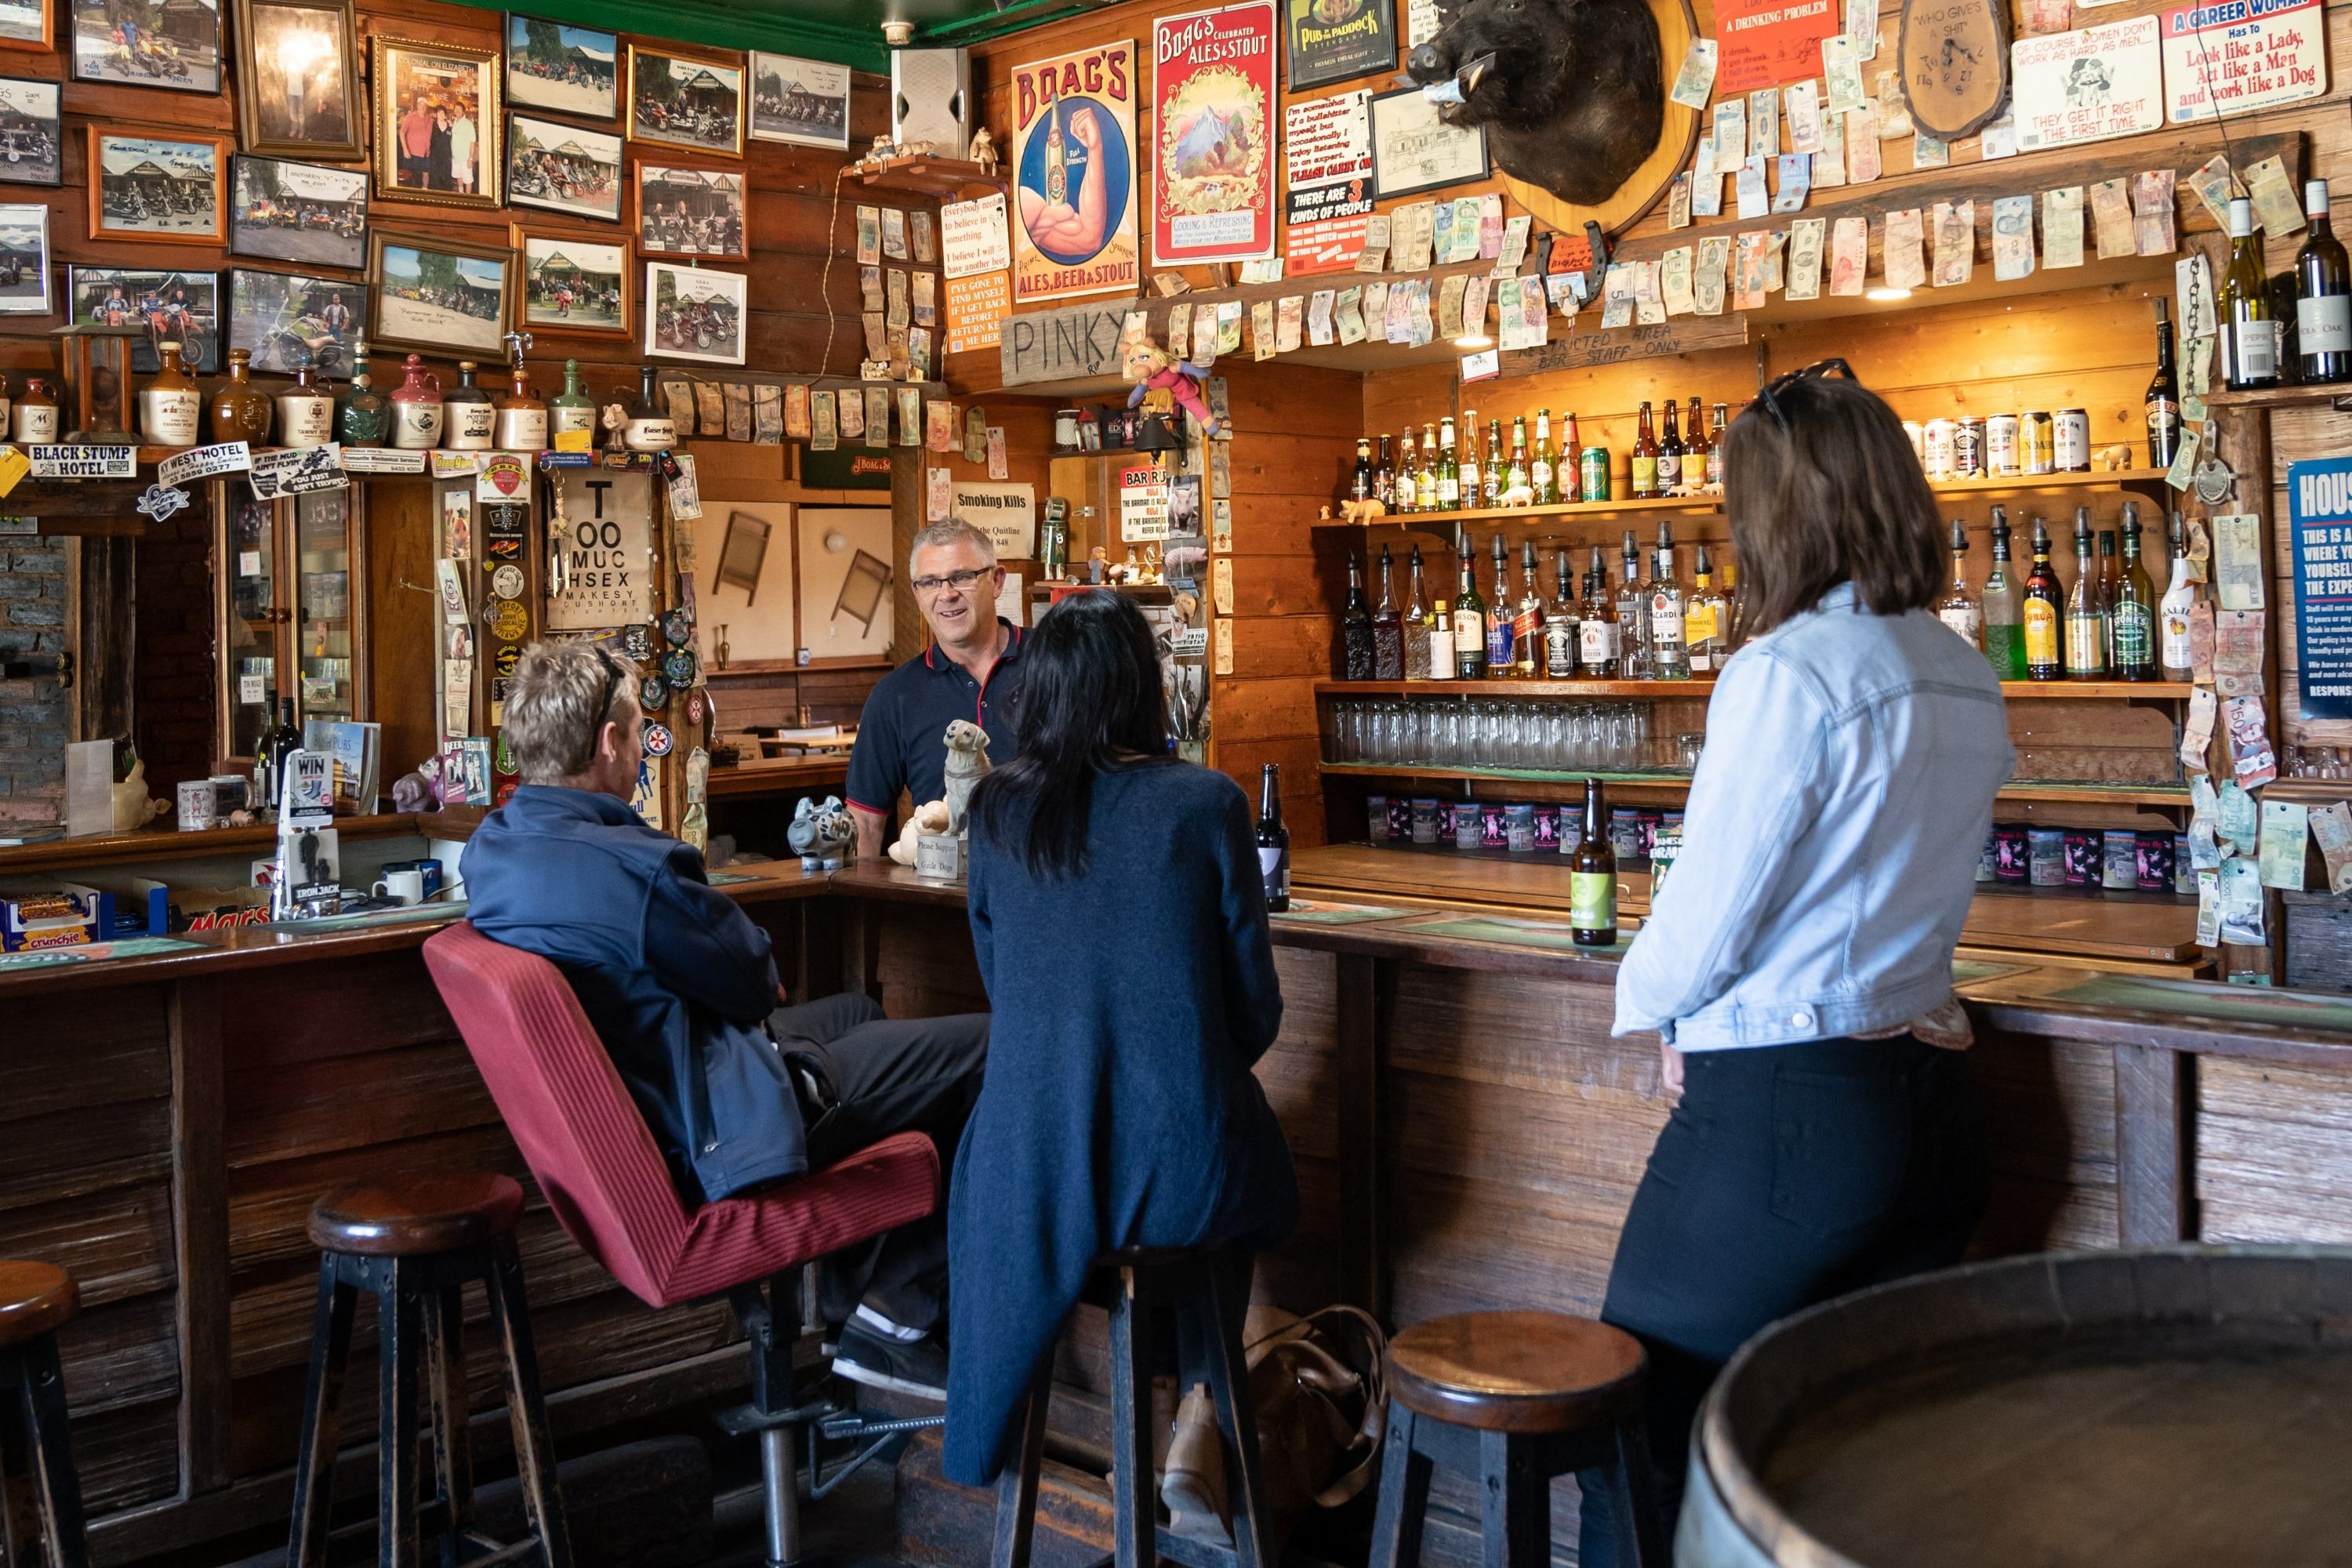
[[33, 715]]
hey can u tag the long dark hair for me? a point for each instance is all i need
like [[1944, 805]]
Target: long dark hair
[[1836, 495], [1090, 698]]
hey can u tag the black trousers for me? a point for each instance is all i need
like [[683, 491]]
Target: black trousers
[[877, 1076], [1786, 1175]]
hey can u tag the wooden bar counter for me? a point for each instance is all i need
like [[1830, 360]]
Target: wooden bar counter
[[1467, 1133]]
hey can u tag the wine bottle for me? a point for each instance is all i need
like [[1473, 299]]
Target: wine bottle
[[2086, 649], [2004, 608], [2249, 332], [2045, 611], [2163, 399], [1469, 621], [2174, 658], [2323, 295], [1388, 626], [1356, 625], [2135, 611], [1419, 625], [1960, 611], [284, 737], [1593, 878], [1384, 477], [1273, 842]]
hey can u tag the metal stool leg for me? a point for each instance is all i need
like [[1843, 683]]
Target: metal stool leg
[[1404, 1496], [400, 1311], [1135, 1527], [453, 1449], [1016, 1484], [534, 1445], [314, 1464], [54, 1482], [780, 1477]]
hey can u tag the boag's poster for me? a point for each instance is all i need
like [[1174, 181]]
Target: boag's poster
[[1212, 114], [1074, 163]]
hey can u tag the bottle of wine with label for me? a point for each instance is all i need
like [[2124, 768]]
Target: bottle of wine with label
[[2323, 295], [1273, 842], [2249, 332]]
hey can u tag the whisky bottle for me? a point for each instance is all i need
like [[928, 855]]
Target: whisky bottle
[[1469, 622], [1527, 625], [1559, 623], [2044, 613], [1959, 610], [1388, 627]]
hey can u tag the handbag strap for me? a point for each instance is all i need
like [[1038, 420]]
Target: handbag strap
[[1373, 1427]]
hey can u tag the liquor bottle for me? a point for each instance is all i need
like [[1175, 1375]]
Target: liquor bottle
[[1273, 842], [571, 410], [1559, 629], [2004, 608], [1715, 451], [2135, 608], [1425, 481], [169, 405], [1959, 610], [2086, 653], [1596, 625], [1697, 451], [1449, 469], [1419, 623], [1593, 878], [1469, 622], [242, 411], [1466, 450], [2323, 295], [362, 415], [1494, 481], [1502, 624], [2180, 598], [1527, 624], [34, 419], [1408, 479], [2249, 332], [470, 421], [1706, 619], [1670, 454], [306, 412], [650, 427], [1356, 625], [522, 416], [1543, 464], [1388, 627], [1645, 458], [1384, 477], [1633, 615], [2044, 611], [2163, 396], [2108, 597], [269, 753], [1516, 475], [1359, 483], [1669, 657]]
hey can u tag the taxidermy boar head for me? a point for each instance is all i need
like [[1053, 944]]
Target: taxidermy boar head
[[1570, 90]]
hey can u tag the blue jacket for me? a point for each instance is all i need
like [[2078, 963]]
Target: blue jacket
[[1830, 844], [674, 976], [1118, 1107]]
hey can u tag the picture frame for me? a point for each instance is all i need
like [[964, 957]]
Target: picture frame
[[557, 65], [426, 294], [297, 80], [175, 47], [28, 24], [25, 259], [681, 98], [164, 190], [287, 320], [691, 212], [554, 264], [695, 313], [804, 103], [428, 100], [307, 212], [1329, 41], [1412, 150], [563, 168], [32, 133], [175, 305]]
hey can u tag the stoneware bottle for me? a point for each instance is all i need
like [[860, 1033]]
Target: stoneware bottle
[[34, 420], [469, 418], [362, 415], [241, 411], [650, 428], [170, 407], [306, 412], [571, 409], [416, 408]]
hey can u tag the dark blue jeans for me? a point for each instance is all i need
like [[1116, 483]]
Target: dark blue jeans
[[1786, 1175]]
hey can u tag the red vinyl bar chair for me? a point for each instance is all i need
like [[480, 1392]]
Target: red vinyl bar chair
[[588, 1147]]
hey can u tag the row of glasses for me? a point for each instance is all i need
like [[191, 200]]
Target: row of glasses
[[1539, 736], [2319, 762]]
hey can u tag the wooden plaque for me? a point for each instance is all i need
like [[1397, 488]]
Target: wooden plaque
[[1678, 137], [1954, 58]]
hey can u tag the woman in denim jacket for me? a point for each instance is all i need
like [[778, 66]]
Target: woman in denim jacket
[[1797, 963]]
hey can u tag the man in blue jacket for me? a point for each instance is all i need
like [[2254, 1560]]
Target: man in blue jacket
[[681, 988]]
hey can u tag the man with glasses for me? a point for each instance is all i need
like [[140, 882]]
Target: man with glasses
[[681, 987], [970, 671]]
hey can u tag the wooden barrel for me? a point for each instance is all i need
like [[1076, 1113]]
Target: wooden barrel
[[2171, 1406]]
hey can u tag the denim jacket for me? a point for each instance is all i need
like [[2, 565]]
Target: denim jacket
[[1831, 844]]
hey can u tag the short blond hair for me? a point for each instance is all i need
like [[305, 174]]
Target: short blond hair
[[550, 725]]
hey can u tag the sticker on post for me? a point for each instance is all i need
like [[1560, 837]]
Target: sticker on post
[[84, 462], [161, 501], [297, 471], [203, 462], [384, 460], [503, 477]]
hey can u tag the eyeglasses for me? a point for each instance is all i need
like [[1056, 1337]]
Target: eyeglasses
[[1825, 367], [959, 581], [604, 701]]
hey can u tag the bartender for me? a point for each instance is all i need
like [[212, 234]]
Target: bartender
[[970, 671]]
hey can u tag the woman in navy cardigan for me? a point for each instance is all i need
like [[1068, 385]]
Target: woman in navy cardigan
[[1121, 926]]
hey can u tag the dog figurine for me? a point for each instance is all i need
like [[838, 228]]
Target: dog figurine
[[966, 765]]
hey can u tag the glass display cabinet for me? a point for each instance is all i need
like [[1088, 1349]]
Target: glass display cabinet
[[288, 620]]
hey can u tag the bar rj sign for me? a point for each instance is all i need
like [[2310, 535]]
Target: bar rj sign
[[2319, 514]]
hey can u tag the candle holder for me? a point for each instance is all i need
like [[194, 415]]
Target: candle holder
[[98, 383]]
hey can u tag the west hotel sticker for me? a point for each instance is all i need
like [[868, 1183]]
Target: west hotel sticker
[[1073, 164]]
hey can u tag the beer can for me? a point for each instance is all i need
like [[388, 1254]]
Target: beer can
[[2033, 438], [2013, 857], [1494, 826], [2155, 863], [2119, 866], [2046, 856], [2083, 849], [1467, 824], [1424, 819], [1919, 439], [1593, 473], [1969, 449], [1400, 819], [2073, 441], [2001, 446], [1937, 457], [1519, 829], [1376, 819]]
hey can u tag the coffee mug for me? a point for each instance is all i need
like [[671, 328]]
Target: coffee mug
[[199, 806], [403, 883]]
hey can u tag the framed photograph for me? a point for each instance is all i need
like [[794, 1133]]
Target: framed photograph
[[687, 101], [289, 319], [690, 212], [1338, 40], [562, 168], [575, 283], [436, 122], [158, 188], [554, 65], [173, 43], [298, 212], [1413, 150], [806, 102], [32, 140], [694, 314], [181, 307], [439, 297], [297, 75], [25, 262], [26, 24]]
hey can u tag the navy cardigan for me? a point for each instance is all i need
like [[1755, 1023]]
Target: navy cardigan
[[1118, 1107]]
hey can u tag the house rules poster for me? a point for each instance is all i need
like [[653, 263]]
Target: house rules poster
[[1213, 82], [1074, 164]]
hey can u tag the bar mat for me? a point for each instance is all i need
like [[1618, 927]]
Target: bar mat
[[1306, 912], [95, 953], [2204, 999], [727, 878], [1975, 972], [367, 918], [1516, 933]]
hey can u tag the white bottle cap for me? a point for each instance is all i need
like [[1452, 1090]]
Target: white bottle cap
[[2242, 218], [2314, 198]]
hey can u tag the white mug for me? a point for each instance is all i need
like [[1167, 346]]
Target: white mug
[[403, 883]]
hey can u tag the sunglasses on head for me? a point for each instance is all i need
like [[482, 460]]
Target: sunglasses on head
[[1770, 404], [603, 700]]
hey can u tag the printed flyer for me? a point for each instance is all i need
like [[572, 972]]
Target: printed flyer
[[2086, 85], [1212, 112], [2242, 55], [1764, 42], [1074, 165]]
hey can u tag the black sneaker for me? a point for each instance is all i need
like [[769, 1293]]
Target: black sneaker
[[920, 1367]]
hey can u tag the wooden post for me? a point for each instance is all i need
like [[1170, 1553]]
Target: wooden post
[[2241, 439], [1366, 998], [907, 635], [200, 1228], [2155, 1189]]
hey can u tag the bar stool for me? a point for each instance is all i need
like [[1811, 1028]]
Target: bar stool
[[1516, 1398], [36, 1300], [1198, 1282], [416, 1246]]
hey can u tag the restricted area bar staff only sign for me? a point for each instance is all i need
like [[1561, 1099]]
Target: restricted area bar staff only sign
[[2319, 514]]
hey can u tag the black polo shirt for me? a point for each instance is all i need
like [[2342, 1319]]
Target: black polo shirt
[[902, 736]]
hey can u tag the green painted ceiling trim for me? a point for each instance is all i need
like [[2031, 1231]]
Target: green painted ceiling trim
[[1014, 17], [785, 30]]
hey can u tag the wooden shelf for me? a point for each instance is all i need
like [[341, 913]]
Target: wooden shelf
[[1697, 686], [2083, 794], [1530, 513], [2338, 397], [2097, 479], [2097, 794], [2308, 791], [2171, 690], [931, 176]]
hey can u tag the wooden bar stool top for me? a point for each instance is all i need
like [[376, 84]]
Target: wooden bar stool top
[[401, 1219], [34, 1297], [1515, 1371]]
